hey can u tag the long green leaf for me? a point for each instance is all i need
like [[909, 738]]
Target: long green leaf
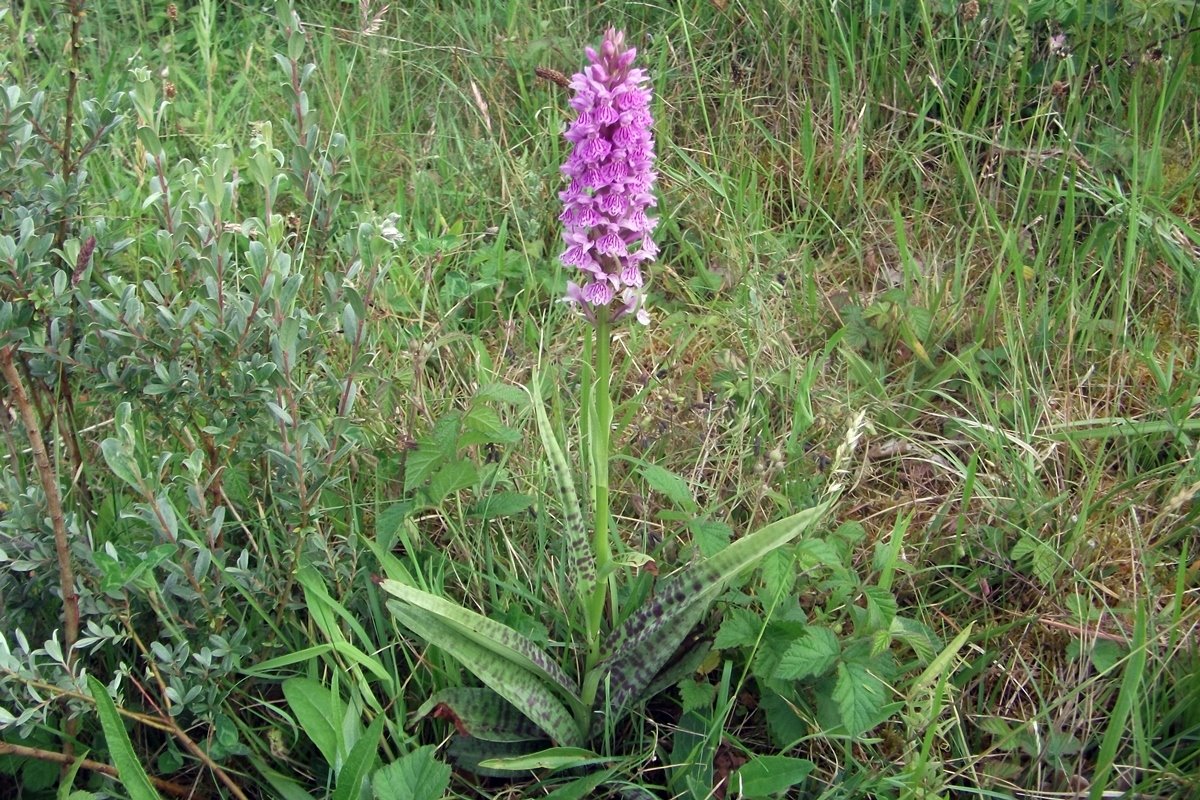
[[553, 759], [129, 769], [494, 636], [360, 761], [312, 706], [516, 684], [580, 562]]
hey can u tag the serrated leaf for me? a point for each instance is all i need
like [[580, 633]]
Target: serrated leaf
[[740, 628], [778, 576], [711, 536], [503, 393], [312, 706], [881, 608], [817, 552], [811, 655], [419, 465], [494, 636], [580, 561], [766, 776], [500, 504], [668, 483], [519, 686], [860, 697], [696, 695], [480, 713], [485, 423], [120, 748], [390, 521], [917, 636], [414, 776], [452, 477]]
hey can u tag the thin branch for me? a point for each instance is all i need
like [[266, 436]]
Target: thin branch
[[20, 751], [62, 546]]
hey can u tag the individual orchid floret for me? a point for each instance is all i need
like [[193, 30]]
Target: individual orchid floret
[[611, 183]]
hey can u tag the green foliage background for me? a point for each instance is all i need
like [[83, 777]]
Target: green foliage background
[[272, 283]]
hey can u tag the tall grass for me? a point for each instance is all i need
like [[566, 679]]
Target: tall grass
[[981, 235]]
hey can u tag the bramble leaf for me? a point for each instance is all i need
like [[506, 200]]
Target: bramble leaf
[[811, 655]]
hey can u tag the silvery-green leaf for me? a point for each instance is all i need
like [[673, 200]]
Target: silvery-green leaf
[[519, 686], [640, 646], [481, 713], [494, 636], [580, 562]]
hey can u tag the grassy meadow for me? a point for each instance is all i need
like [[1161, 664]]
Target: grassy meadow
[[280, 289]]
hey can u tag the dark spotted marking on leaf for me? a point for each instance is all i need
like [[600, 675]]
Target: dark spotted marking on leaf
[[583, 564]]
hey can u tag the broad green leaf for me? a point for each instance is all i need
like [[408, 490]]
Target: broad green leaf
[[390, 520], [553, 758], [494, 636], [881, 608], [811, 655], [483, 425], [468, 753], [414, 776], [419, 465], [312, 706], [500, 504], [457, 475], [767, 776], [523, 688], [778, 576], [711, 536], [133, 775], [480, 713], [360, 761], [502, 393], [916, 635], [668, 483], [121, 461], [860, 697], [580, 561], [696, 695]]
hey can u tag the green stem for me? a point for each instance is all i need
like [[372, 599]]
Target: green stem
[[600, 414]]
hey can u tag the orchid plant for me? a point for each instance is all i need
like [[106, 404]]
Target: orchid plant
[[626, 655]]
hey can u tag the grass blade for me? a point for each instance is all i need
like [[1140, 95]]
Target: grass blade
[[130, 770]]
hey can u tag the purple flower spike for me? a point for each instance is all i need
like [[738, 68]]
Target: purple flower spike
[[611, 181]]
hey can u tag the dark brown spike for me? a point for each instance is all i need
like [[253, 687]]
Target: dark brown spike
[[552, 75]]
